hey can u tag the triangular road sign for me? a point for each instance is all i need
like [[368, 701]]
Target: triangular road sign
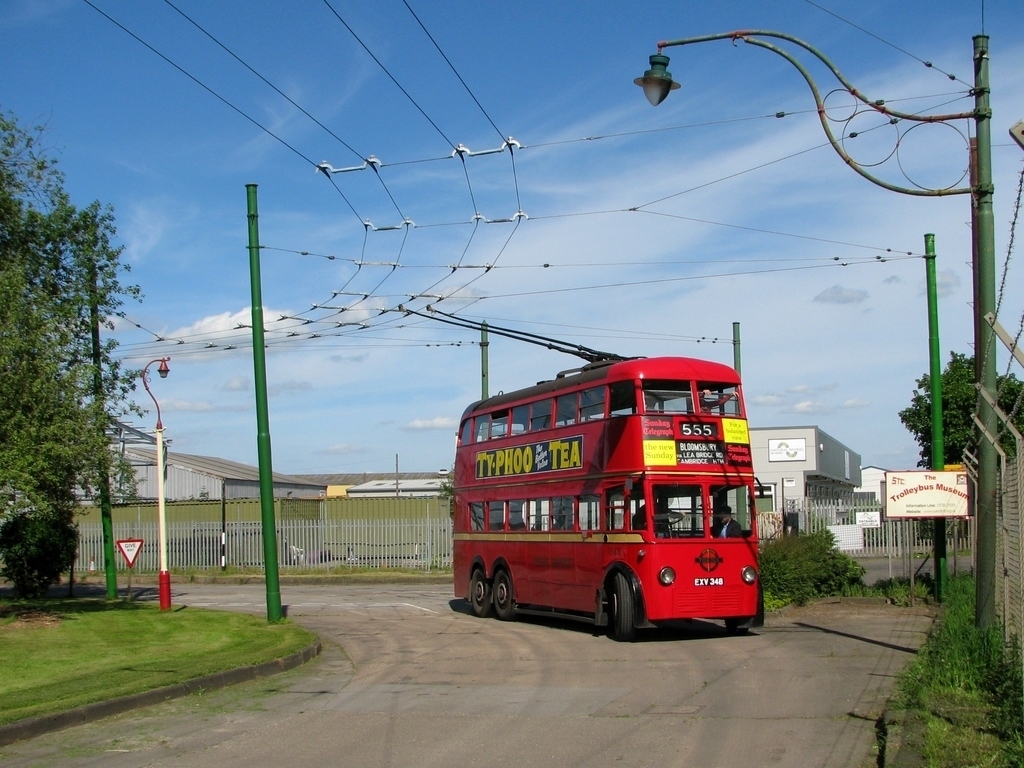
[[130, 549]]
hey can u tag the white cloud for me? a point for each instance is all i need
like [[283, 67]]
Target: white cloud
[[200, 407], [855, 402], [343, 449], [289, 386], [767, 399], [839, 295], [237, 384], [439, 422]]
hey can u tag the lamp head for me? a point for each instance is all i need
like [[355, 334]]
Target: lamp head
[[657, 81], [163, 369]]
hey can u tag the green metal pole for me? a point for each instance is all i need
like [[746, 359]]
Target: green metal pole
[[274, 612], [99, 397], [736, 346], [938, 444], [484, 344], [985, 274]]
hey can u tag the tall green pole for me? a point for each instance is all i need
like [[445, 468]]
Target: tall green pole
[[935, 375], [736, 346], [259, 362], [985, 292], [484, 344], [99, 402]]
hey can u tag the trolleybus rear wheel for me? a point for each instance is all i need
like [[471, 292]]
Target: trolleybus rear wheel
[[504, 603], [623, 610], [480, 595]]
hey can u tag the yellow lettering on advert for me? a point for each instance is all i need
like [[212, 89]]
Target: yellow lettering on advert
[[527, 459], [564, 449], [508, 462], [574, 459], [735, 431], [499, 463], [481, 464], [660, 453]]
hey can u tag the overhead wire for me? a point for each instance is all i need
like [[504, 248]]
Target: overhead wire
[[882, 40], [198, 82]]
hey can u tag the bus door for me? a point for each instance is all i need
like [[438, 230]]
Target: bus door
[[589, 551]]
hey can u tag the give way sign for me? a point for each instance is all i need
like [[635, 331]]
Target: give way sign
[[130, 549]]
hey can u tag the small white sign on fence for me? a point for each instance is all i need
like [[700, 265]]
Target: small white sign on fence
[[869, 518], [925, 493]]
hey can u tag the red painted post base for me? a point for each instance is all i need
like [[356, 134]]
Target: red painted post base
[[165, 591]]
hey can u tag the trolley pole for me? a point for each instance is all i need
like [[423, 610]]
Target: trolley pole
[[938, 440], [259, 361]]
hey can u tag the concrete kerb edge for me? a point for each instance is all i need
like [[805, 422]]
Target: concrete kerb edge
[[37, 726]]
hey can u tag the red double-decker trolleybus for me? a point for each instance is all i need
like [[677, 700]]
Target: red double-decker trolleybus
[[620, 492]]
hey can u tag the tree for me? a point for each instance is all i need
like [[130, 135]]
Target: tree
[[959, 402], [59, 276]]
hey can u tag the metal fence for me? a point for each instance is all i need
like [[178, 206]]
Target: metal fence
[[878, 538], [311, 544]]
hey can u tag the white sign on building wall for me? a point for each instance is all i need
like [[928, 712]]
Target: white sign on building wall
[[793, 449], [925, 494]]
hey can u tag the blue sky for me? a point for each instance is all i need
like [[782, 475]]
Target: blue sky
[[754, 222]]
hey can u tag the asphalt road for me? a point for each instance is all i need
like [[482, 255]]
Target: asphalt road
[[409, 678]]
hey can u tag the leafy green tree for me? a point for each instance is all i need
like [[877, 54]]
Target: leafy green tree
[[59, 281], [959, 401]]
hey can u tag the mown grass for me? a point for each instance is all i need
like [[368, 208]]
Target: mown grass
[[967, 683], [60, 654]]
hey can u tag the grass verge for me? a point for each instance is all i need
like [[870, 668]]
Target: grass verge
[[60, 654], [967, 684]]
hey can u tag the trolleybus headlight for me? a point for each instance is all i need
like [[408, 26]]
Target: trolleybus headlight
[[667, 576], [748, 574]]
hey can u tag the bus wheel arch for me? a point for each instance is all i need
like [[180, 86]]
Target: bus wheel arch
[[503, 594]]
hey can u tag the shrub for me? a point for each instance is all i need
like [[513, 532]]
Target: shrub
[[797, 568], [36, 547]]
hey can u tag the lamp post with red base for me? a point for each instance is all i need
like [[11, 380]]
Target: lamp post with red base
[[165, 577]]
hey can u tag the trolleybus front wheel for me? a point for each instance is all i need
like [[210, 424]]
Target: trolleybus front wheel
[[733, 627], [623, 622], [504, 603], [480, 595]]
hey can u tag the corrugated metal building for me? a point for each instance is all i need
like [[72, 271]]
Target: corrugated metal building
[[382, 484], [205, 477]]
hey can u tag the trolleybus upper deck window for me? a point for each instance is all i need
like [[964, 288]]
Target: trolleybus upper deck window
[[540, 415], [592, 404], [520, 414], [483, 427], [565, 410], [467, 432], [668, 397], [719, 399], [622, 398]]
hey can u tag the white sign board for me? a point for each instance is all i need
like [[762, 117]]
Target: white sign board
[[793, 449], [849, 538], [925, 494], [130, 549], [869, 519]]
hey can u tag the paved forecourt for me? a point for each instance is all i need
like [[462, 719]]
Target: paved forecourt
[[409, 678]]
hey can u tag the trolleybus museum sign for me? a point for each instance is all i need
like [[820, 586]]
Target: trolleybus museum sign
[[925, 494]]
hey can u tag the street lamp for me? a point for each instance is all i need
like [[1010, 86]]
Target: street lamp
[[657, 82], [165, 577]]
